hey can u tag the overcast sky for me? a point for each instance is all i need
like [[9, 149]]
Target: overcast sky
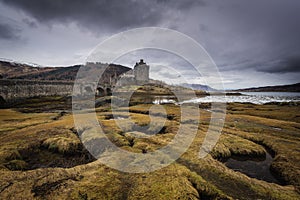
[[253, 43]]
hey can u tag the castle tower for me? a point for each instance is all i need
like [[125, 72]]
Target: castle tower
[[141, 72]]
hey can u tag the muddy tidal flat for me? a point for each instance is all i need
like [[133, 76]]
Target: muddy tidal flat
[[256, 157]]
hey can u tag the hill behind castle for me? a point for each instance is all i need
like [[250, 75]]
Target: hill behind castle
[[14, 70]]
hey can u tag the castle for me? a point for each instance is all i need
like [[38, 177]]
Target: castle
[[137, 76]]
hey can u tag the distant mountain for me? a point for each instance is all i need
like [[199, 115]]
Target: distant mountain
[[278, 88], [198, 87], [9, 69], [14, 70]]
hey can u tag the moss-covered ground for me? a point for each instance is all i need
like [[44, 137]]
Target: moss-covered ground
[[42, 157]]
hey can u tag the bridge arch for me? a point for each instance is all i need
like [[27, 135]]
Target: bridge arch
[[108, 91], [100, 91]]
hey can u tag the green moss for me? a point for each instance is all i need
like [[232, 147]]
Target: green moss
[[247, 131], [229, 145], [62, 144]]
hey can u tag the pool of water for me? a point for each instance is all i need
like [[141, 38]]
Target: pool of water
[[164, 100], [254, 168]]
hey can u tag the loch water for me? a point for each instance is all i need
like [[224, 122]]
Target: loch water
[[245, 97]]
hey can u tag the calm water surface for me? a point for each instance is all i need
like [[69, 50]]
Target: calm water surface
[[259, 169]]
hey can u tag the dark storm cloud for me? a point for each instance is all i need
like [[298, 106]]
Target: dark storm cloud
[[288, 65], [30, 23], [257, 35], [244, 38], [293, 64], [9, 32], [101, 14]]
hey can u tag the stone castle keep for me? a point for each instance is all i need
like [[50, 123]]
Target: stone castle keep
[[12, 89], [137, 76]]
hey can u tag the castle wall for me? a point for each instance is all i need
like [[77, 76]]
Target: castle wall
[[126, 81], [127, 78]]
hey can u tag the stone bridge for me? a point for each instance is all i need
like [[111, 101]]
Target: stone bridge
[[13, 89]]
